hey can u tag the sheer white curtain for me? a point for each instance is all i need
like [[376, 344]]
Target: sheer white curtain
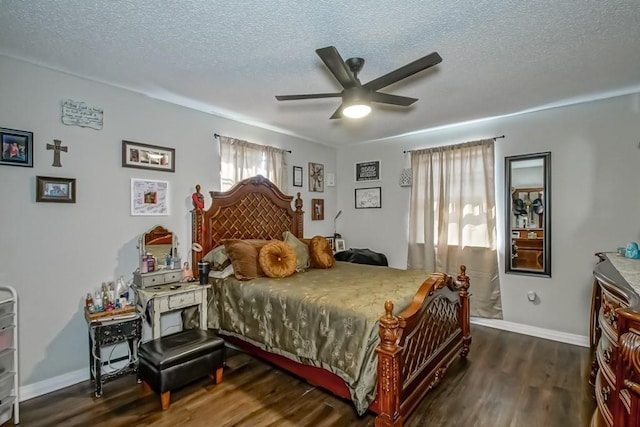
[[241, 159], [452, 218]]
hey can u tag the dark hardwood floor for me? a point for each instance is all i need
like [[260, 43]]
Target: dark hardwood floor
[[509, 380]]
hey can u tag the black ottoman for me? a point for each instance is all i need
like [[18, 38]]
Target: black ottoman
[[171, 361]]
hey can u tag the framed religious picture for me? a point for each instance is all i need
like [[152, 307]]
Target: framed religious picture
[[316, 177], [368, 171], [17, 147]]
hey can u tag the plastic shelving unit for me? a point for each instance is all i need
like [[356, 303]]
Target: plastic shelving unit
[[9, 384]]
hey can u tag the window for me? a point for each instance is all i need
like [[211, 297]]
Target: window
[[241, 159]]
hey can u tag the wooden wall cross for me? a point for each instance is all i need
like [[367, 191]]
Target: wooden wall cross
[[57, 147]]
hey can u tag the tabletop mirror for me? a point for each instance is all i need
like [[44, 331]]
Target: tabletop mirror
[[158, 242], [528, 219]]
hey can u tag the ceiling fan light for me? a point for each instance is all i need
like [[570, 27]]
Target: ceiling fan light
[[357, 111]]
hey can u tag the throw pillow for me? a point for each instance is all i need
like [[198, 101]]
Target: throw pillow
[[277, 259], [321, 253], [300, 248], [217, 258], [244, 257]]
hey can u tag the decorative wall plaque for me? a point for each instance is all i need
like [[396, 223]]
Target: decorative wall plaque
[[76, 113]]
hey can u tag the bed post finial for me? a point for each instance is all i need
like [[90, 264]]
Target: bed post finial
[[298, 202], [389, 381], [463, 279], [299, 216], [464, 315], [388, 328], [388, 308]]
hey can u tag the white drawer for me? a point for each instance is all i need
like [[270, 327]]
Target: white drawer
[[7, 381], [6, 360], [6, 337], [173, 276], [156, 278], [6, 308], [185, 299], [6, 409], [6, 320]]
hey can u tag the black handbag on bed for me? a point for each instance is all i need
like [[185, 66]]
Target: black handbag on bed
[[362, 256]]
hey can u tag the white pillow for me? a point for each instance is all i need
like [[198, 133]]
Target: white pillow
[[226, 272]]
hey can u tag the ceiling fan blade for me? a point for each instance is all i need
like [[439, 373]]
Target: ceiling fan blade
[[338, 112], [386, 98], [308, 96], [404, 72], [337, 66]]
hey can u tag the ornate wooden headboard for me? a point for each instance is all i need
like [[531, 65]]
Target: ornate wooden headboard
[[253, 209]]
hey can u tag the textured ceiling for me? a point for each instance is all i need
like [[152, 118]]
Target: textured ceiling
[[231, 58]]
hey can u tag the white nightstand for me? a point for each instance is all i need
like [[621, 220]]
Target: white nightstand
[[171, 297]]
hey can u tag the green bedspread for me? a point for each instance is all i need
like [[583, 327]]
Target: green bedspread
[[324, 318]]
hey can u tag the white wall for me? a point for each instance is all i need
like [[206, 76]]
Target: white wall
[[53, 254], [595, 200]]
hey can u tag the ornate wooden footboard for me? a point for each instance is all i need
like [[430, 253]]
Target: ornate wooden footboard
[[418, 345]]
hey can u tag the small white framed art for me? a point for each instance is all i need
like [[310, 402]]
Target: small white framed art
[[149, 197]]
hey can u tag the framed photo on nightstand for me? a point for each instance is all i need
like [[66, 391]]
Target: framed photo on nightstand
[[331, 243]]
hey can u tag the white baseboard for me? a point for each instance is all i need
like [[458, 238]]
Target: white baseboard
[[30, 391], [534, 331]]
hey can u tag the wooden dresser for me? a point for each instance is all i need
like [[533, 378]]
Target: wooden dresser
[[615, 341]]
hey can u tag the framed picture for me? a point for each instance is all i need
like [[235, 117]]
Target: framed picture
[[331, 180], [17, 147], [297, 176], [56, 190], [368, 171], [317, 214], [316, 177], [332, 243], [367, 198], [145, 156], [149, 197], [340, 245]]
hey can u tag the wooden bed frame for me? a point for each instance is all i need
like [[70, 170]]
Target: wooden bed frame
[[417, 346]]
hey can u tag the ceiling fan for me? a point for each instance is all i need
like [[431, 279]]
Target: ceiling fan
[[357, 97]]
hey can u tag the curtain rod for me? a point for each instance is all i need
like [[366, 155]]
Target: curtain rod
[[409, 151], [216, 135]]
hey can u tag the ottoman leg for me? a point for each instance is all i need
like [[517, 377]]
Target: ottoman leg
[[165, 400], [146, 388], [217, 376]]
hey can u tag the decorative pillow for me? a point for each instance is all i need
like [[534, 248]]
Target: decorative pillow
[[321, 253], [222, 274], [217, 258], [300, 248], [277, 259], [244, 257]]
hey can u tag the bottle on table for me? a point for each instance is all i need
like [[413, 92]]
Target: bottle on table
[[89, 302]]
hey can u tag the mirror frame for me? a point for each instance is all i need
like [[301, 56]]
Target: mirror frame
[[546, 200], [142, 244]]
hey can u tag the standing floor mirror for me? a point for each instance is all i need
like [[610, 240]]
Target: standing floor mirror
[[528, 214]]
